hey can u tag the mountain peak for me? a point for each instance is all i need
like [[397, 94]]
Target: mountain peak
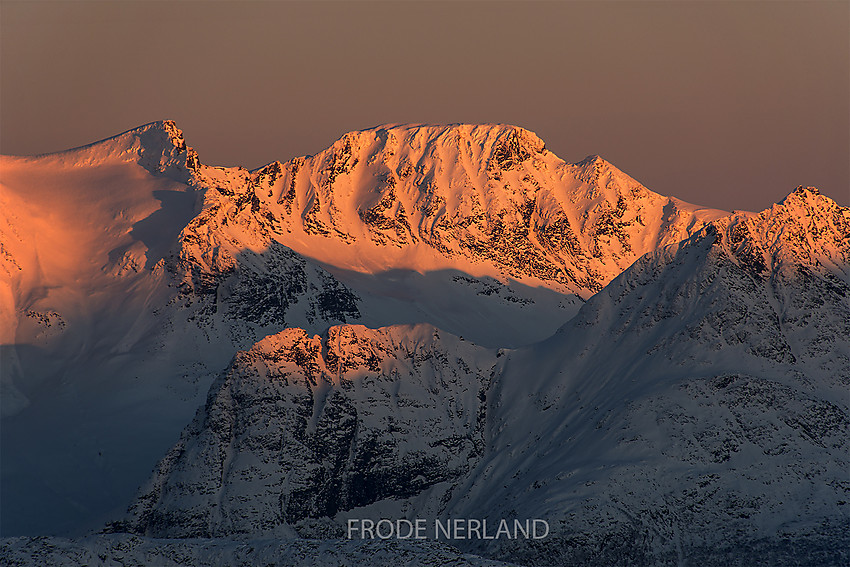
[[161, 149], [806, 228], [500, 146], [592, 159], [153, 136], [166, 131], [157, 146], [476, 131], [805, 196], [807, 202], [595, 169]]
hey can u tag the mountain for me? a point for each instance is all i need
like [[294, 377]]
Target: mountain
[[112, 331], [131, 273], [482, 212], [487, 198], [418, 322], [303, 427], [72, 227], [694, 410]]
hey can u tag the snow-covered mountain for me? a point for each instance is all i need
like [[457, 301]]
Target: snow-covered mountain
[[303, 427], [695, 408], [481, 213], [112, 330], [374, 329], [489, 199], [131, 273]]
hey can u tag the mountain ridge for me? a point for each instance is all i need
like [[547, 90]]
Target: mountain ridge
[[564, 250], [474, 193]]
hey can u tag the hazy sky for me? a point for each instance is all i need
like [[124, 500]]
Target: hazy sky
[[726, 104]]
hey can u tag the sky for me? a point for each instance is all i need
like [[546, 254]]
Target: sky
[[725, 104]]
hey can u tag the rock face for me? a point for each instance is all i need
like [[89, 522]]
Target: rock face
[[303, 427]]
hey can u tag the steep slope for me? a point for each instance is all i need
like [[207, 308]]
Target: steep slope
[[694, 411]]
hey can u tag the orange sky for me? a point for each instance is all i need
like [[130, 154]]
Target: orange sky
[[727, 104]]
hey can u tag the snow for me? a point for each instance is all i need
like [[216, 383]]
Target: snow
[[672, 414], [441, 179], [675, 374]]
